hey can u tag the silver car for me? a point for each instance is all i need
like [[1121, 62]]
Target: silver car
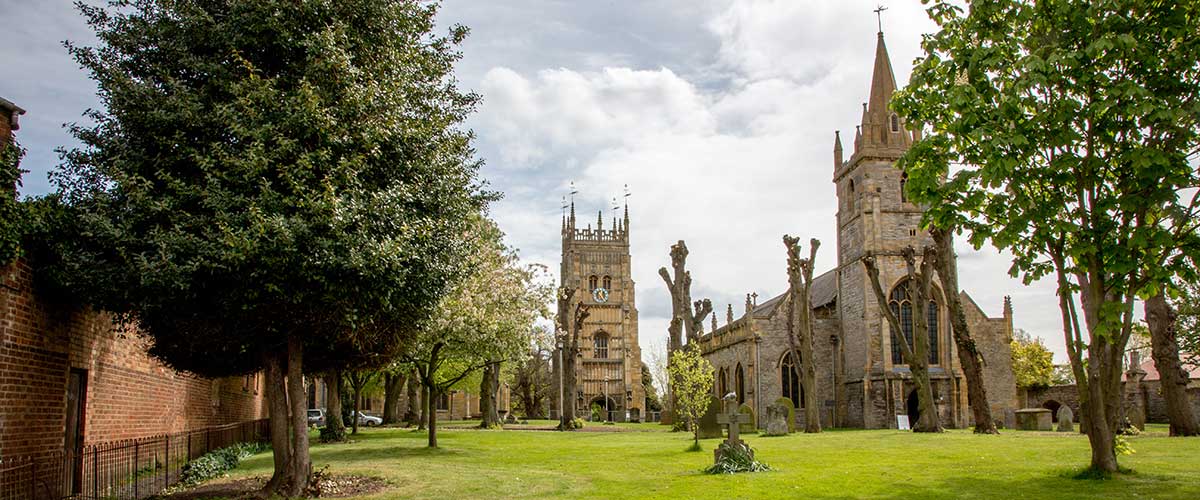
[[316, 417], [367, 420]]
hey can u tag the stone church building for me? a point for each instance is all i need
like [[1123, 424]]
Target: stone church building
[[608, 374], [861, 377]]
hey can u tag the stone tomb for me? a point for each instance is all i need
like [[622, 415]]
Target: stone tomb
[[709, 425], [1066, 419], [1010, 418], [1034, 419], [777, 419]]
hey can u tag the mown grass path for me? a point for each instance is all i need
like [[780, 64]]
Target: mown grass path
[[834, 464]]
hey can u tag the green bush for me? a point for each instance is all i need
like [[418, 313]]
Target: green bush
[[215, 463], [330, 434], [577, 423], [597, 413]]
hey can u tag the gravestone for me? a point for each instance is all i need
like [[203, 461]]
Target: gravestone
[[733, 419], [709, 427], [791, 417], [1034, 419], [777, 419], [510, 419], [1010, 418], [749, 424], [1066, 419]]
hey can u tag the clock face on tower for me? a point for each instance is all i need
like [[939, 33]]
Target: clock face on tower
[[600, 295]]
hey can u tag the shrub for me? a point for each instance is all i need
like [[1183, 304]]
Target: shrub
[[331, 434], [217, 462], [597, 413], [577, 423]]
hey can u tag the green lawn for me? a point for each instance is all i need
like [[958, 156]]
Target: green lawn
[[834, 464]]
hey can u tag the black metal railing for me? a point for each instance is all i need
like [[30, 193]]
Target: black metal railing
[[118, 470]]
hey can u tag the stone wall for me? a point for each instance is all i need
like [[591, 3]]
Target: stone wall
[[1149, 394], [128, 394], [993, 338]]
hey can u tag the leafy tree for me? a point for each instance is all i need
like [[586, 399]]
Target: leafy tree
[[692, 384], [270, 184], [11, 214], [652, 401], [484, 320], [532, 377], [1062, 375], [1071, 124], [1033, 363], [1188, 306], [358, 380]]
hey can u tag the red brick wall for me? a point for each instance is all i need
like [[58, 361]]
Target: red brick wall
[[128, 394]]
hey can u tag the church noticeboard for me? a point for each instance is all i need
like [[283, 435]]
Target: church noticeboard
[[902, 423]]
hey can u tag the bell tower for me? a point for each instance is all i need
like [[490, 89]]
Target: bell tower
[[596, 264], [873, 215]]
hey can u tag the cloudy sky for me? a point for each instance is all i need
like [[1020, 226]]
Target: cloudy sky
[[718, 114]]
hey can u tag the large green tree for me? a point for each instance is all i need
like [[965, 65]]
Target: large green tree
[[1070, 125], [270, 183], [1032, 362]]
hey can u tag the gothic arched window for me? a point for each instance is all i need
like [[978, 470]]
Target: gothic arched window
[[722, 382], [608, 283], [903, 183], [789, 378], [740, 382], [600, 345], [591, 283], [900, 303]]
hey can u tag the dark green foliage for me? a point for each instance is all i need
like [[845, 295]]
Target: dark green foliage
[[330, 434], [736, 458], [11, 217], [264, 168], [215, 463]]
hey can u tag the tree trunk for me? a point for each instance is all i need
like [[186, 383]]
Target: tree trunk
[[356, 386], [412, 413], [281, 444], [799, 287], [489, 389], [968, 355], [582, 312], [433, 395], [425, 408], [685, 323], [393, 384], [333, 400], [1160, 317], [301, 463]]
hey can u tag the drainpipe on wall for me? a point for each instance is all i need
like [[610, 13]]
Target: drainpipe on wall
[[757, 377]]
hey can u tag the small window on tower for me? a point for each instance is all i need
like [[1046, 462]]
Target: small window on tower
[[850, 200], [912, 232], [608, 282], [903, 183], [895, 123], [591, 283]]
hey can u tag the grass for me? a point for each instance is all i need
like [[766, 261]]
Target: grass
[[834, 464]]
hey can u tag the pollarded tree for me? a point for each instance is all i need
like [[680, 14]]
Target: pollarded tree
[[692, 382], [270, 184], [687, 317], [1071, 125], [800, 278], [916, 356]]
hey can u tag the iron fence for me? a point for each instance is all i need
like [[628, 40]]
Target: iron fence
[[128, 469]]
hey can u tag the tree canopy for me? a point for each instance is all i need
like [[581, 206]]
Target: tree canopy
[[1033, 363], [1071, 126]]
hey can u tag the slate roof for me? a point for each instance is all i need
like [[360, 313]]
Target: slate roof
[[823, 293]]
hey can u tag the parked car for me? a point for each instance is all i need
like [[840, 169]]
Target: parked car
[[316, 417], [368, 420]]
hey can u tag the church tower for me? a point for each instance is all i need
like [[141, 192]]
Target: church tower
[[596, 264], [874, 215]]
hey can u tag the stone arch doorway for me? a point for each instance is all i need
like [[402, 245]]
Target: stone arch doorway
[[1053, 406], [913, 407], [608, 407]]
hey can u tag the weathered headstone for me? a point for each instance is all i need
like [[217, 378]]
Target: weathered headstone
[[1066, 419], [1010, 418], [791, 418], [749, 424], [777, 415], [734, 419], [709, 427], [1034, 419]]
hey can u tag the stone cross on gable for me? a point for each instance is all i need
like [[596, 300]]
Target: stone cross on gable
[[733, 419]]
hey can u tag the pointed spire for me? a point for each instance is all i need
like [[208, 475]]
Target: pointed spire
[[714, 323], [599, 220], [857, 141], [883, 81], [571, 220], [749, 305], [729, 314], [880, 127], [837, 149]]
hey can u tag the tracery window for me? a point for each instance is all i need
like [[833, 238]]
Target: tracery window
[[608, 283], [789, 377], [900, 303], [600, 345], [740, 381], [591, 283]]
